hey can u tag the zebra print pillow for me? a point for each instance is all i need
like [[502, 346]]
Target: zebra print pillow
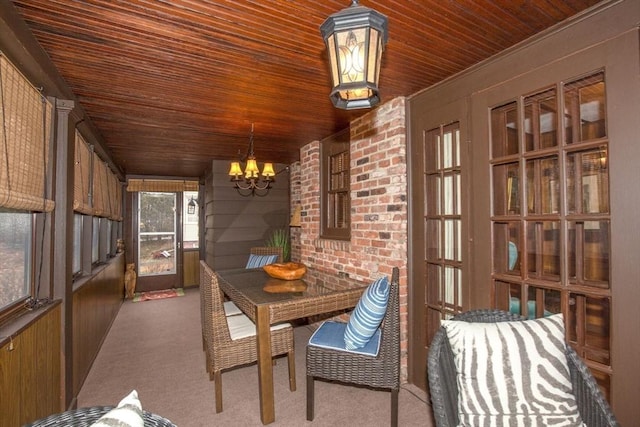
[[513, 373]]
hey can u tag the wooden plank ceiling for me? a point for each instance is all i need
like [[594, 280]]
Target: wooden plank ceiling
[[171, 85]]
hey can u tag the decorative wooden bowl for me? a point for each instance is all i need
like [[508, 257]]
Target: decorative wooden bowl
[[286, 271]]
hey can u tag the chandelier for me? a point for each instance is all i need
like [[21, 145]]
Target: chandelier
[[250, 184]]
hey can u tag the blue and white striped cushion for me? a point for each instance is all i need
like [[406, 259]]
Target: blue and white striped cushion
[[513, 373], [257, 261], [368, 314]]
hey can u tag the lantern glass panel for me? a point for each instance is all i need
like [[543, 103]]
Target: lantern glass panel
[[375, 48]]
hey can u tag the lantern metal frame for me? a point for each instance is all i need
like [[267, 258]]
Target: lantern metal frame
[[355, 55], [191, 206]]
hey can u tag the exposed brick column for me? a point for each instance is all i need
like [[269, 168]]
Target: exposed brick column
[[378, 205]]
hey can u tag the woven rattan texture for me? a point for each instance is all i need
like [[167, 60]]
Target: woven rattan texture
[[267, 250], [381, 371], [224, 353], [594, 410], [84, 417]]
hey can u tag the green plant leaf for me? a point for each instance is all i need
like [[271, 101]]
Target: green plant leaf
[[280, 238]]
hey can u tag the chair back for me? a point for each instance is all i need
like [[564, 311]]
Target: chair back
[[214, 318], [390, 329], [268, 250]]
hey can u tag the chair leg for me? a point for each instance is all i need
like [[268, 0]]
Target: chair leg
[[291, 358], [309, 398], [218, 390], [394, 407]]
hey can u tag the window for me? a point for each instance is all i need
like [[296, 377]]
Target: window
[[77, 243], [95, 240], [25, 136], [335, 203], [15, 253]]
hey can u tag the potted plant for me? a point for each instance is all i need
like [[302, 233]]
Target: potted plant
[[280, 238]]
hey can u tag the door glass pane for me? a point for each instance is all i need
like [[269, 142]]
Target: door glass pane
[[543, 250], [434, 274], [588, 181], [543, 185], [448, 194], [506, 189], [432, 150], [433, 239], [157, 243], [588, 248], [585, 109], [506, 248], [432, 187], [592, 316], [540, 121], [542, 302], [504, 130]]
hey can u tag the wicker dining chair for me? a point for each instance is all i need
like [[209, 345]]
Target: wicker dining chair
[[224, 351], [84, 417], [380, 372], [443, 386]]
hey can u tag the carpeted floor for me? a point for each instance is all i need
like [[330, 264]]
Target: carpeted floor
[[156, 348]]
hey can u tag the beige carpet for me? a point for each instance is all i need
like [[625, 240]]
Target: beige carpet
[[156, 348]]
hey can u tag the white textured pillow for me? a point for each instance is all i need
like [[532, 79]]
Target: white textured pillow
[[513, 373], [128, 413]]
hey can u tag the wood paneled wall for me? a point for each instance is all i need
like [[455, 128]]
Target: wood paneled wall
[[30, 376], [95, 305], [191, 271], [233, 223]]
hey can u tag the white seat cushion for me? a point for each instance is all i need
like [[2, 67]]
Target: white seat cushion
[[230, 309], [240, 326]]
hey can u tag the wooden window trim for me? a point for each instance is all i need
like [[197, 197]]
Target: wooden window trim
[[335, 145]]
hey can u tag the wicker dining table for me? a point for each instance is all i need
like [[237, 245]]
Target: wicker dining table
[[285, 301]]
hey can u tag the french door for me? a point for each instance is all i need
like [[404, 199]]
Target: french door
[[158, 237]]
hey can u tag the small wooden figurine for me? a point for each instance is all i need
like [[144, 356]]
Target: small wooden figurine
[[130, 280]]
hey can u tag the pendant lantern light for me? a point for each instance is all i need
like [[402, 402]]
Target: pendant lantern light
[[355, 38]]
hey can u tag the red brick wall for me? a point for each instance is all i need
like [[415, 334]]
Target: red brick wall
[[378, 205]]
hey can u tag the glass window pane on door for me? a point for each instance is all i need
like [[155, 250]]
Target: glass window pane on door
[[157, 234], [540, 120]]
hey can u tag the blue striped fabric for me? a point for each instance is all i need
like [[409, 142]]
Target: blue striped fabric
[[257, 261], [368, 314]]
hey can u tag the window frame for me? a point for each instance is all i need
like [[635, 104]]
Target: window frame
[[337, 144]]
